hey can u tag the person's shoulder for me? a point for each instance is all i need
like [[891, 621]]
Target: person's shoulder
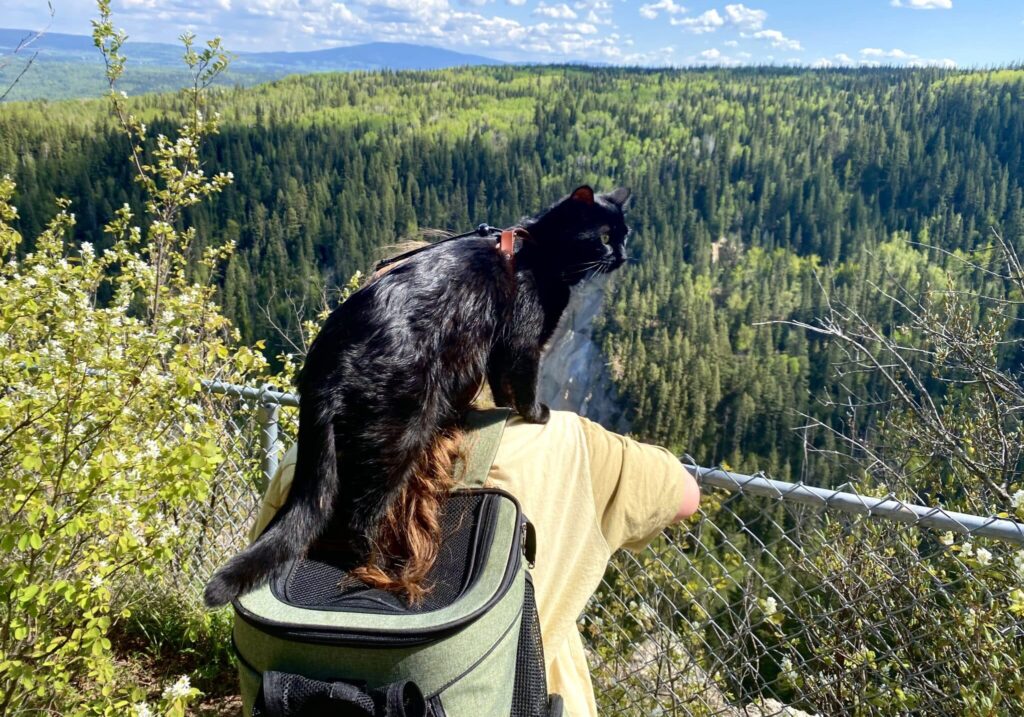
[[563, 428], [557, 420]]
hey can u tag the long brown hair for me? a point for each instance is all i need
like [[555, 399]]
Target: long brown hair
[[408, 538]]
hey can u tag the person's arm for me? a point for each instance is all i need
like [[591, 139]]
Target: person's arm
[[639, 489]]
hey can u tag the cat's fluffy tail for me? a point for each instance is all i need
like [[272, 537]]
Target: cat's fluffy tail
[[296, 525]]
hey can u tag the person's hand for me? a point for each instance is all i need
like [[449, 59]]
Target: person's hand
[[691, 497]]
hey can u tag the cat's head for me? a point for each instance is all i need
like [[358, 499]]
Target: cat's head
[[584, 233]]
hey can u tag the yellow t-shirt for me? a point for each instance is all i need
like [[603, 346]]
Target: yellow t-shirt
[[588, 492]]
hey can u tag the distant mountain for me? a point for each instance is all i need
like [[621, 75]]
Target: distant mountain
[[69, 66], [57, 47], [371, 56]]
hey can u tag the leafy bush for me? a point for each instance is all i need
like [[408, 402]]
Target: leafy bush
[[106, 439]]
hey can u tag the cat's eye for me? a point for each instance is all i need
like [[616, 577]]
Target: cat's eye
[[606, 239]]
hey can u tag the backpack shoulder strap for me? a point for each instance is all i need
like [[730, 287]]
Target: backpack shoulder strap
[[484, 430]]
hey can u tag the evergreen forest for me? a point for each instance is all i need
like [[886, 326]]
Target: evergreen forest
[[759, 196]]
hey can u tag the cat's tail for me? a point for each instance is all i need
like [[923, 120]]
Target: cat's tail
[[301, 520]]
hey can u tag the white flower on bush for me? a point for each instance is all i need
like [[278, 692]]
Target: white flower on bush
[[1017, 499], [180, 689], [96, 581], [770, 606], [946, 538], [1018, 563], [87, 249], [967, 550], [142, 710], [984, 557], [787, 671]]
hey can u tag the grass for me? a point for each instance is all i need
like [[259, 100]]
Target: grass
[[170, 635]]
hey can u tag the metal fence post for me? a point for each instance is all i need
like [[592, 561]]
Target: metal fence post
[[267, 415]]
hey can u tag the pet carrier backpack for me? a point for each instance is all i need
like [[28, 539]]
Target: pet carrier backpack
[[316, 641]]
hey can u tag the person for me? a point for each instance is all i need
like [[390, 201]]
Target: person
[[588, 493]]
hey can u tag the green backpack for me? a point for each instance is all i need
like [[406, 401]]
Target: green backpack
[[316, 641]]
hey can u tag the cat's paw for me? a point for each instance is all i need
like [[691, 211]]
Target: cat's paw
[[539, 413]]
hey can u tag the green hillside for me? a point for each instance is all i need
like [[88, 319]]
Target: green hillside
[[757, 193]]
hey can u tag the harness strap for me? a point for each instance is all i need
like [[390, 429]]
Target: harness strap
[[484, 429], [506, 243]]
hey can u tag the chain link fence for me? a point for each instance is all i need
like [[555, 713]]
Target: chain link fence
[[778, 599]]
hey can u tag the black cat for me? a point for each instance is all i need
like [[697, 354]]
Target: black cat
[[401, 360]]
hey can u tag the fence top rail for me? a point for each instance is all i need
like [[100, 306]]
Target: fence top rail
[[889, 507], [262, 394], [847, 501]]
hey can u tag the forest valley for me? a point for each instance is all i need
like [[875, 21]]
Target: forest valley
[[762, 197]]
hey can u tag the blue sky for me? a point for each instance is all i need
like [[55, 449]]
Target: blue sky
[[965, 33]]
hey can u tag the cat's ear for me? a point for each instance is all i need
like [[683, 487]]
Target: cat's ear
[[618, 197], [583, 194]]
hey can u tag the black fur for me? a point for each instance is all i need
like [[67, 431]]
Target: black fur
[[401, 360]]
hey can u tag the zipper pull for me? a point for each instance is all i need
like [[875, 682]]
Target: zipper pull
[[528, 541]]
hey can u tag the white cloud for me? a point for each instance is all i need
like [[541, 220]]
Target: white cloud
[[705, 22], [339, 12], [731, 43], [661, 57], [558, 12], [745, 17], [893, 54], [924, 4], [516, 2], [778, 39], [945, 62], [841, 59], [599, 12], [651, 11], [875, 57], [735, 15], [713, 57]]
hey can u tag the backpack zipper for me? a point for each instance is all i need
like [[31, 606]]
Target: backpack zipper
[[348, 636]]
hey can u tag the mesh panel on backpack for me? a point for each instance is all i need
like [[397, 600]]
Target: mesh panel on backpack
[[530, 693], [322, 579], [301, 692]]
